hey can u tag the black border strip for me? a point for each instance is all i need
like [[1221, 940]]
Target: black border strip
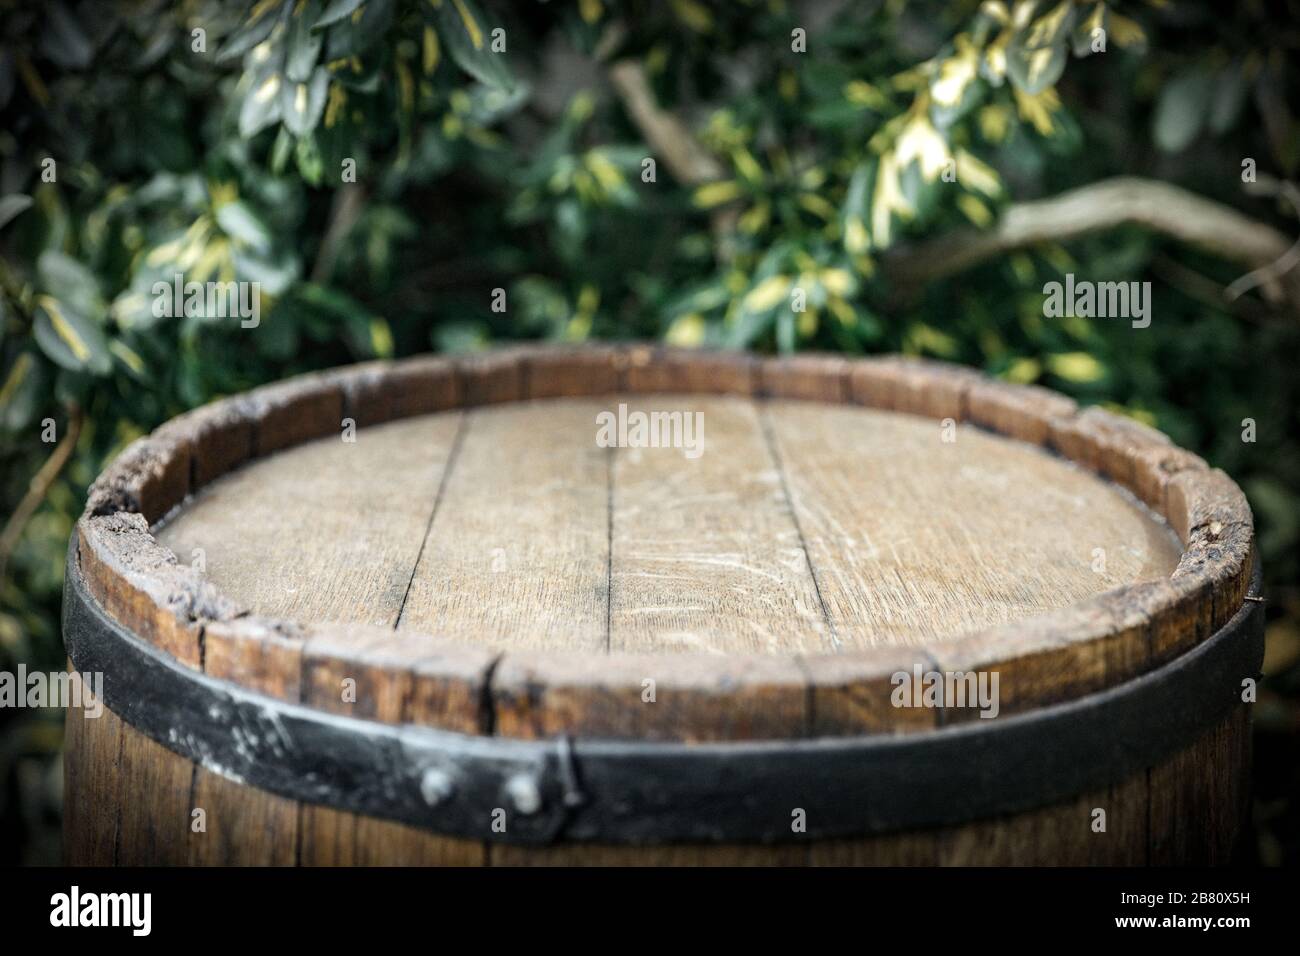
[[638, 792]]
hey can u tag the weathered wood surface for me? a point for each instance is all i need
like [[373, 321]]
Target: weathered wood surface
[[482, 565], [799, 528]]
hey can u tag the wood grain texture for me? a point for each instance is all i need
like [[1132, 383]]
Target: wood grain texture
[[368, 673], [152, 797], [706, 555], [1066, 834], [916, 540], [91, 776], [641, 696], [538, 695], [748, 547], [244, 826], [327, 531], [1200, 797], [651, 369], [517, 554]]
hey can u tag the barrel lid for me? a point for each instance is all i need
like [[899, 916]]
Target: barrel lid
[[472, 557]]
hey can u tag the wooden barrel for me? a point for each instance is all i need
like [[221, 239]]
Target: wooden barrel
[[634, 605]]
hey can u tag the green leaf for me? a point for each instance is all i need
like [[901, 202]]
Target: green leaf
[[243, 225], [129, 360], [70, 282], [281, 151], [468, 37], [13, 205], [349, 37], [256, 27], [302, 44], [69, 339], [1181, 110], [1229, 97], [134, 307], [301, 104], [1035, 70], [261, 106], [785, 332], [63, 40], [1037, 54], [275, 274], [335, 11], [857, 208], [20, 392], [310, 165]]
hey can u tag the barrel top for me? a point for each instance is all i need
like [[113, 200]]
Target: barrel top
[[787, 527], [502, 529]]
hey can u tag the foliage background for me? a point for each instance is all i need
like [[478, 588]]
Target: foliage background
[[477, 170]]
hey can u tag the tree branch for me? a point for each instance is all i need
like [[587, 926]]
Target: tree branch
[[1160, 207], [686, 158], [688, 161], [38, 489], [344, 213]]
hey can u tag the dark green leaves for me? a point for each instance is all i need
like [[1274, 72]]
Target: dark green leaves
[[257, 24], [303, 42], [301, 104], [261, 106], [336, 11], [242, 224], [1182, 109], [69, 339], [63, 40], [1037, 55], [67, 313], [70, 282], [12, 206], [21, 392], [468, 39]]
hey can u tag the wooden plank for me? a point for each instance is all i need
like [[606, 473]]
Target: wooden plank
[[681, 370], [244, 826], [395, 677], [141, 585], [694, 698], [557, 372], [706, 556], [1063, 834], [219, 436], [326, 531], [913, 386], [153, 803], [821, 378], [150, 477], [1025, 412], [294, 411], [517, 554], [1200, 796], [377, 392], [914, 539], [91, 776]]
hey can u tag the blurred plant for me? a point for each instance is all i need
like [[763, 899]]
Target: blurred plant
[[857, 176]]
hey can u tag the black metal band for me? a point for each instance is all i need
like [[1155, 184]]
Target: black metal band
[[632, 792]]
